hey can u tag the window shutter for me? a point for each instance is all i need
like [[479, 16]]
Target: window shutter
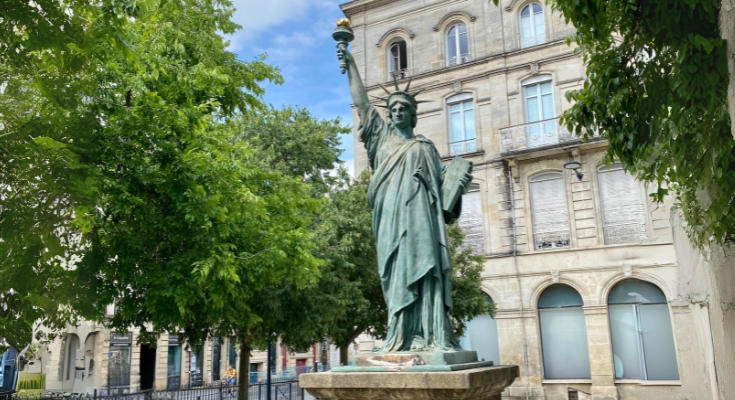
[[470, 221], [623, 211], [550, 213]]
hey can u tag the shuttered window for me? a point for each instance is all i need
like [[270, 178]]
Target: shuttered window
[[623, 210], [549, 211], [471, 220]]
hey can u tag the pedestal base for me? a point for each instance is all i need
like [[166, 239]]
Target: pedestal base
[[476, 384], [422, 361]]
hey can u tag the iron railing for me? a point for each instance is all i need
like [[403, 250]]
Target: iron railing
[[534, 135], [551, 240]]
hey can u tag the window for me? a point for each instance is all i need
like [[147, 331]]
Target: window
[[173, 363], [71, 360], [397, 60], [539, 102], [563, 333], [640, 327], [549, 211], [533, 31], [623, 210], [461, 125], [458, 51], [470, 221], [481, 336]]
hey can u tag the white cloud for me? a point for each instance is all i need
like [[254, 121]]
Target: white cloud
[[257, 16]]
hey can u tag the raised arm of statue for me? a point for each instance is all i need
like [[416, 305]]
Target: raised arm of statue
[[357, 89]]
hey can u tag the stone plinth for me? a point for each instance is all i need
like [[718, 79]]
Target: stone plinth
[[423, 361], [476, 384]]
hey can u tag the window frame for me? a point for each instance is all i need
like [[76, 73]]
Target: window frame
[[641, 344], [391, 67], [601, 210], [535, 178], [534, 38], [461, 99], [538, 81], [544, 310], [458, 54]]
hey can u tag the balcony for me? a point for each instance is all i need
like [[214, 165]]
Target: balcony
[[534, 135]]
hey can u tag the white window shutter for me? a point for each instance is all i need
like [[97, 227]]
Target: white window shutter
[[623, 210], [470, 221], [550, 213]]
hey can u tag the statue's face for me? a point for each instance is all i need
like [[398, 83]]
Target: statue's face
[[401, 115]]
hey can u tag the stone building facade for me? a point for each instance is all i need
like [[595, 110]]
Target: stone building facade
[[90, 356], [593, 292]]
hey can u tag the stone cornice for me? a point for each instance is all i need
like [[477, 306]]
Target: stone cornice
[[491, 72]]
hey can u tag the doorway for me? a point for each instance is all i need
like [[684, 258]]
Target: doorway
[[147, 366]]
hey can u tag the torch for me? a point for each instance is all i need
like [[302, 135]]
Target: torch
[[343, 34]]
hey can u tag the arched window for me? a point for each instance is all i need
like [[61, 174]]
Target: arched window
[[640, 327], [541, 128], [397, 59], [71, 356], [458, 50], [549, 211], [461, 124], [482, 336], [563, 333], [533, 31], [471, 220], [623, 210]]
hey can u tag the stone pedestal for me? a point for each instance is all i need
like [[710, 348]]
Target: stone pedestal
[[477, 384]]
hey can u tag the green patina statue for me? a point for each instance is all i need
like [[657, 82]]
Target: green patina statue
[[409, 217]]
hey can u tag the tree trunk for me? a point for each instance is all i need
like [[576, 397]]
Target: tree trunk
[[243, 378], [343, 354], [344, 347]]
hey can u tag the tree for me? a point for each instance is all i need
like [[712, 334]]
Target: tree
[[136, 190], [350, 284], [295, 144], [656, 89]]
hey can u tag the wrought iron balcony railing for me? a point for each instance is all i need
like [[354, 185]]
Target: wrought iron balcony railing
[[551, 240], [533, 135]]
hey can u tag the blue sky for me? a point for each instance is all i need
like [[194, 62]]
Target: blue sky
[[296, 35]]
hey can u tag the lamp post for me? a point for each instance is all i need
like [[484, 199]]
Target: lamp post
[[268, 374], [574, 166]]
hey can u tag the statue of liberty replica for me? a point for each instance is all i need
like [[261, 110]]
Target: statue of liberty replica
[[413, 196], [410, 194]]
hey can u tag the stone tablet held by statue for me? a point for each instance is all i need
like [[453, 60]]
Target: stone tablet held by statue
[[457, 169]]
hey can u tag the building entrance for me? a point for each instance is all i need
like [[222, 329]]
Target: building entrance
[[147, 366]]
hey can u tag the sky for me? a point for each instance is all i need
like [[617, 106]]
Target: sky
[[296, 36]]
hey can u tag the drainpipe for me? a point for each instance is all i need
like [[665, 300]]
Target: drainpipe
[[518, 279]]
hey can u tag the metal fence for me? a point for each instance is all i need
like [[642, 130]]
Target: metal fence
[[282, 390]]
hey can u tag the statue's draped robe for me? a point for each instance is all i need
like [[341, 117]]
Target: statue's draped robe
[[410, 233]]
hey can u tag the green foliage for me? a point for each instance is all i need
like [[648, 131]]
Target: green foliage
[[137, 189], [34, 382], [656, 88], [296, 144], [350, 286]]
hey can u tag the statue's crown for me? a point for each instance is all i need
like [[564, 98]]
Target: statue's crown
[[404, 96]]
